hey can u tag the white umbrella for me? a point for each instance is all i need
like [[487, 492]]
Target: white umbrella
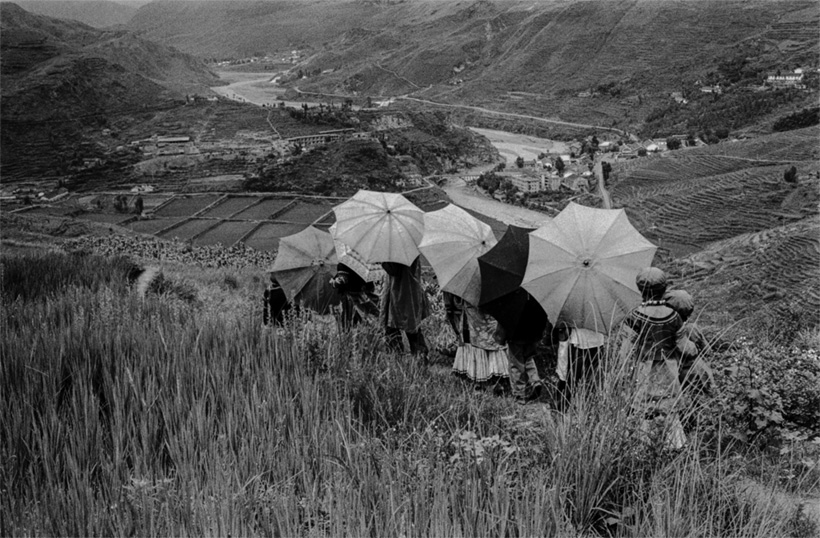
[[582, 266], [453, 240], [380, 226]]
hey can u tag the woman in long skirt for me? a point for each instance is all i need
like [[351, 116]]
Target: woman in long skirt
[[479, 357]]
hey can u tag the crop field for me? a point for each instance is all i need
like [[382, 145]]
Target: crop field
[[756, 269], [226, 233], [306, 212], [109, 218], [704, 210], [229, 206], [267, 236], [188, 229], [185, 206], [152, 226], [264, 210]]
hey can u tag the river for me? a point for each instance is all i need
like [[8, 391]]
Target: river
[[258, 89]]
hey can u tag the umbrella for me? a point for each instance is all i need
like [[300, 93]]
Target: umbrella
[[453, 240], [582, 266], [521, 316], [380, 226], [370, 272], [304, 266], [503, 266]]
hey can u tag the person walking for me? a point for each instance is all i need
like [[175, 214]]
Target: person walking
[[578, 355], [695, 374], [359, 299], [479, 357], [522, 340], [402, 307], [651, 337], [275, 305]]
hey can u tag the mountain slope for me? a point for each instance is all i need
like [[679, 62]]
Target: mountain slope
[[96, 13], [594, 61], [62, 78]]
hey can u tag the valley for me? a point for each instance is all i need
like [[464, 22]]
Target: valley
[[150, 170]]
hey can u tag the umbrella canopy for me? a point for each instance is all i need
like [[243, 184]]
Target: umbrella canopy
[[370, 272], [380, 226], [453, 240], [582, 266], [304, 266], [521, 316], [503, 266]]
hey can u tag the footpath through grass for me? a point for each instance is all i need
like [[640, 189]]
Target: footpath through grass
[[161, 416]]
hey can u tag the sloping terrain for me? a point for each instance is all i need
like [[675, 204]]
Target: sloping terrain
[[96, 13], [63, 80], [624, 57], [731, 230], [756, 278]]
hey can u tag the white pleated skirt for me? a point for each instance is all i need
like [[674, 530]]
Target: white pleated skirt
[[481, 365]]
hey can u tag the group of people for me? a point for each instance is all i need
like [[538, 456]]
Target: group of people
[[657, 335]]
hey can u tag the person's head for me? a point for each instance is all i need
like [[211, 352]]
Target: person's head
[[651, 283], [681, 302]]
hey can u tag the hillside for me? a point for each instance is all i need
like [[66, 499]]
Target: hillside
[[62, 79], [96, 13], [597, 62], [731, 230]]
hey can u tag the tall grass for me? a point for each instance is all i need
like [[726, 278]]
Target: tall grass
[[128, 416]]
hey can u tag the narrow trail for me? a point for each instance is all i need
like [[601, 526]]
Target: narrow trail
[[270, 111]]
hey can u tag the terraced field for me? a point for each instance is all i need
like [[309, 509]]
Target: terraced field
[[774, 272], [700, 211]]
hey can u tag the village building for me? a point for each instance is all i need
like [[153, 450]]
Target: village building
[[786, 80]]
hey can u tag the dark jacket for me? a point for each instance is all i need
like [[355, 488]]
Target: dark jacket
[[655, 329], [403, 303]]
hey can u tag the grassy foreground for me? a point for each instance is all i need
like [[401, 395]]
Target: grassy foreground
[[164, 415]]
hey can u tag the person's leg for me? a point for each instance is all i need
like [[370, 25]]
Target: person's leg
[[417, 344], [393, 338], [518, 369]]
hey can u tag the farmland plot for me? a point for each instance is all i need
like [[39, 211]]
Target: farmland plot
[[306, 212], [107, 218], [188, 229], [230, 206], [185, 206], [226, 233], [752, 271], [267, 236], [715, 208], [264, 210], [152, 226]]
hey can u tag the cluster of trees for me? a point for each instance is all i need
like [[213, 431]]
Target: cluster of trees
[[804, 118], [492, 182], [718, 113]]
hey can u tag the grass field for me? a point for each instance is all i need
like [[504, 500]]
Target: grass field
[[175, 413]]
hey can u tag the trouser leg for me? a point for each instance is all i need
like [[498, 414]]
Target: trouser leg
[[523, 371], [417, 344], [393, 339]]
